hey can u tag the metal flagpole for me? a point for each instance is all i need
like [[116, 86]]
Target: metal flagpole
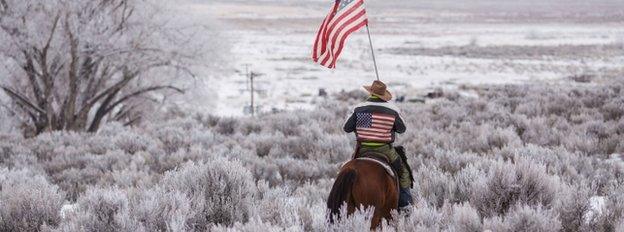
[[372, 50]]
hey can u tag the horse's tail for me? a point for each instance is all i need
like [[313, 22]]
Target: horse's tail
[[340, 192]]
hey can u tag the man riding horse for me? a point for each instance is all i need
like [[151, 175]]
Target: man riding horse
[[375, 123]]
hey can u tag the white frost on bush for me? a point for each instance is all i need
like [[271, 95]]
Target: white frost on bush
[[510, 159], [596, 208]]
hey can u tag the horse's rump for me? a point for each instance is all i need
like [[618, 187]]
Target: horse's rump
[[363, 183]]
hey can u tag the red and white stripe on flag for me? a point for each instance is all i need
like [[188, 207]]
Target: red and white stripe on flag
[[374, 127], [346, 17]]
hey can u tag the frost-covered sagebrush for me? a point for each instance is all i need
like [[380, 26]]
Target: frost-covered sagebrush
[[221, 191], [28, 202], [516, 157]]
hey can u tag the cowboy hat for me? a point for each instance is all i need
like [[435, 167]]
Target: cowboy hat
[[379, 89]]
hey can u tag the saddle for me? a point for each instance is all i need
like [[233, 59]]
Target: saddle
[[392, 168], [383, 162]]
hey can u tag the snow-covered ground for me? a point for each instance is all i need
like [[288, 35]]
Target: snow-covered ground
[[416, 49]]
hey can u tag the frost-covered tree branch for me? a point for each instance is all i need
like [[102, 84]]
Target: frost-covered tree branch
[[72, 63]]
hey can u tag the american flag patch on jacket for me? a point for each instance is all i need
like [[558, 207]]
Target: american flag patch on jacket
[[374, 127]]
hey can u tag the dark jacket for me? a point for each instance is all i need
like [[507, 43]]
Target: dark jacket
[[375, 121]]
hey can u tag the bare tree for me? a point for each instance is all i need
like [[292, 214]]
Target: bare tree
[[72, 64]]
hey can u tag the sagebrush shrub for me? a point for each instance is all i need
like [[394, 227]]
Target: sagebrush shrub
[[279, 206], [172, 138], [510, 184], [360, 220], [524, 218], [75, 171], [614, 109], [572, 206], [105, 210], [132, 142], [464, 180], [465, 218], [422, 218], [162, 210], [221, 191], [226, 126], [610, 217], [434, 186], [28, 201]]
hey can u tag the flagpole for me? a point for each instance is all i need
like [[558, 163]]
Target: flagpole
[[370, 41]]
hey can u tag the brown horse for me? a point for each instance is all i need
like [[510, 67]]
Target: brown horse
[[362, 183]]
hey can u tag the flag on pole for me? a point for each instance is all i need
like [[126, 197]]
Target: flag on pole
[[346, 17]]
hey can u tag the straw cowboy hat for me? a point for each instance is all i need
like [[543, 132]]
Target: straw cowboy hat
[[378, 89]]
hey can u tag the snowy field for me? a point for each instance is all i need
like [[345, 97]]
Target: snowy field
[[419, 46]]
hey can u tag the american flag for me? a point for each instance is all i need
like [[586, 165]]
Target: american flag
[[374, 127], [346, 17]]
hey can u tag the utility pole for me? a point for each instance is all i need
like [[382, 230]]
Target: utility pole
[[249, 82], [247, 76], [251, 79], [252, 76]]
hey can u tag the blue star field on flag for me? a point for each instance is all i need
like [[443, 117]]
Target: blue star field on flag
[[364, 120]]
